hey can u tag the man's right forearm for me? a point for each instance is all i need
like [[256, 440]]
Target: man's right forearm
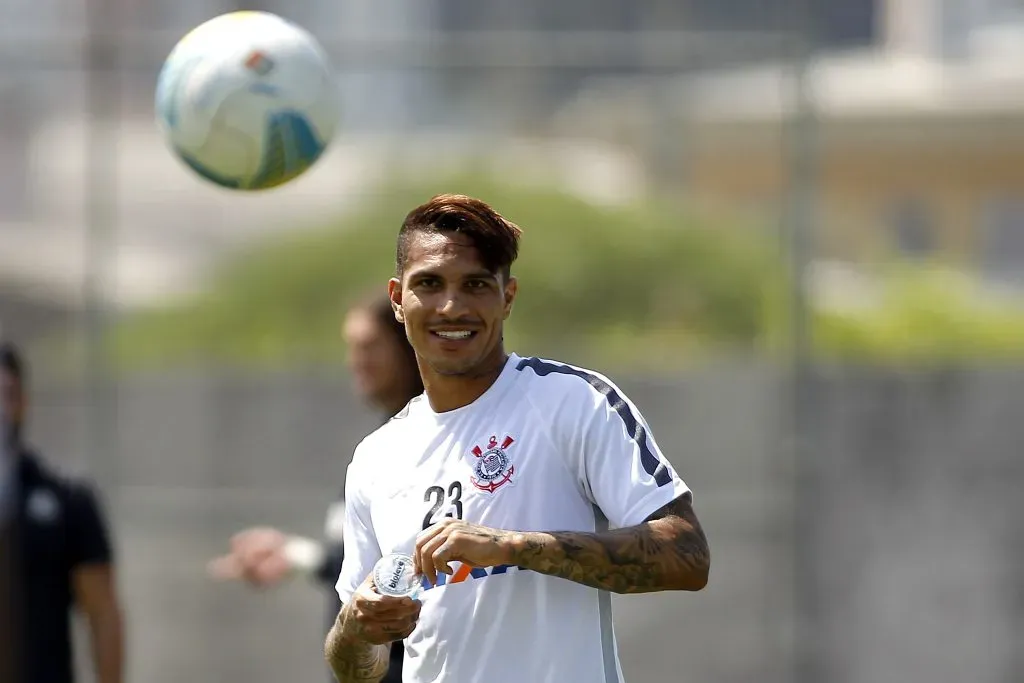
[[352, 660]]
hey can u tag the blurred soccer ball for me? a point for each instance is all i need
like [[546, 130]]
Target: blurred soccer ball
[[247, 100]]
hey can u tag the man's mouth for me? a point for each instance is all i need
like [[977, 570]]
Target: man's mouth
[[453, 335]]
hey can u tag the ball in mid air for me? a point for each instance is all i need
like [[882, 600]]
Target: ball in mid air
[[247, 100]]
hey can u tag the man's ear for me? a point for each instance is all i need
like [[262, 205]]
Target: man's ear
[[395, 294], [511, 290]]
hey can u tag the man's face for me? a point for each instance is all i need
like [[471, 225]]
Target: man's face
[[13, 401], [453, 307], [374, 358]]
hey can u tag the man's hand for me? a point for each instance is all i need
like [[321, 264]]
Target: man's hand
[[256, 556], [356, 648], [454, 540], [379, 619]]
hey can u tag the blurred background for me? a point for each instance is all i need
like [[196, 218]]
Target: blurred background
[[792, 231]]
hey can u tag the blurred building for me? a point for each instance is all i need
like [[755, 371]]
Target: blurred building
[[920, 148], [847, 23]]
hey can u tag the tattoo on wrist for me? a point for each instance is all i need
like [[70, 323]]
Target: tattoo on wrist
[[351, 659], [357, 666]]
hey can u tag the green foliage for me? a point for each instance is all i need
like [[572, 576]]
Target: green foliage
[[593, 281], [648, 285], [926, 315]]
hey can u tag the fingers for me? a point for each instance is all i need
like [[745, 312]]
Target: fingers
[[434, 550], [368, 599], [256, 537], [255, 548], [255, 555], [386, 606], [426, 536], [381, 613], [398, 617], [404, 633], [435, 555], [225, 568], [271, 570], [384, 618], [382, 634], [398, 631], [261, 568]]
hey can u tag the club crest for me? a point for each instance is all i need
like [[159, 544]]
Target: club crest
[[492, 468]]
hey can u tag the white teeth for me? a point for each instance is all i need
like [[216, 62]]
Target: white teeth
[[461, 334]]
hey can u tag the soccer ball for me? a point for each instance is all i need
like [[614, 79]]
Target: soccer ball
[[247, 100]]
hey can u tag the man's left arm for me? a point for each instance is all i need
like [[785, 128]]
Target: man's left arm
[[668, 551], [94, 584]]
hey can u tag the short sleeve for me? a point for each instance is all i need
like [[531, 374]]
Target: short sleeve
[[361, 550], [88, 537], [622, 469]]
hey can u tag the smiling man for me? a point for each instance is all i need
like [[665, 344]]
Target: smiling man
[[525, 489]]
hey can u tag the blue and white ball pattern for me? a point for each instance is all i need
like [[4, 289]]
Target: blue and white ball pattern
[[247, 100]]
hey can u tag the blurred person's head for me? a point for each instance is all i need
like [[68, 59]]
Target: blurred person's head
[[454, 288], [382, 363], [12, 393]]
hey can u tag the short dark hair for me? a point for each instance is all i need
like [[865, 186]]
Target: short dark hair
[[11, 361], [493, 235]]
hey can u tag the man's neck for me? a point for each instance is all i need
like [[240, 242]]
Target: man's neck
[[451, 392]]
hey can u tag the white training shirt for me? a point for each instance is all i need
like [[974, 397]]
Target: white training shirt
[[548, 447]]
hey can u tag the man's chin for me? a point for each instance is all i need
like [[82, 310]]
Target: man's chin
[[453, 368]]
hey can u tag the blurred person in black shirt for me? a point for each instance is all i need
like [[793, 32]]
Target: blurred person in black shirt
[[383, 367], [55, 556]]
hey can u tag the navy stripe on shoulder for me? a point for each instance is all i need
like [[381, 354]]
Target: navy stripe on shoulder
[[652, 464]]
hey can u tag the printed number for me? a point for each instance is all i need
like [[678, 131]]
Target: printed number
[[437, 495], [455, 493]]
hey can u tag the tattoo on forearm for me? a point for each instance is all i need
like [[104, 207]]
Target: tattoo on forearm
[[669, 551], [353, 661]]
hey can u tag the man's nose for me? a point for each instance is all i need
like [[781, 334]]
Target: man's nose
[[452, 305]]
